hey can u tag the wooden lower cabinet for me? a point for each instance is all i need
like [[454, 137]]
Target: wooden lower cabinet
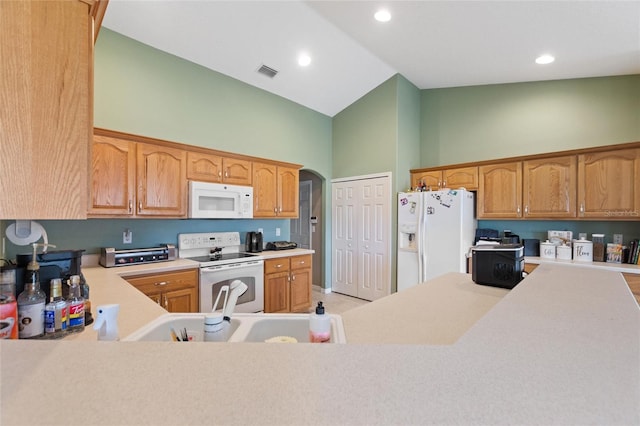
[[633, 281], [174, 291], [529, 267], [287, 284]]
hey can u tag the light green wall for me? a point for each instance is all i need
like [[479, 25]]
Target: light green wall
[[408, 145], [365, 133], [466, 124], [144, 91]]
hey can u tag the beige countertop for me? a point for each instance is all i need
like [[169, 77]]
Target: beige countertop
[[626, 268], [270, 254], [561, 348]]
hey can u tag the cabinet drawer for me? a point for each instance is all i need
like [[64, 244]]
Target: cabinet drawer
[[169, 281], [301, 262], [280, 264]]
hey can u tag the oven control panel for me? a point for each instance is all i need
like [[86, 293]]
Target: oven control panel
[[208, 240]]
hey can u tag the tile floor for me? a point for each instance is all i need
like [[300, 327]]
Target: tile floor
[[336, 303]]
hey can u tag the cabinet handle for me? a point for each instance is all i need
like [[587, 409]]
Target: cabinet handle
[[293, 277], [166, 303], [518, 210], [302, 262], [278, 266], [526, 209], [130, 206], [582, 208], [161, 283], [139, 206], [220, 173], [226, 173], [444, 184]]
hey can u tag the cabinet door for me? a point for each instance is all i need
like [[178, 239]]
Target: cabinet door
[[113, 177], [549, 187], [500, 191], [204, 167], [236, 172], [276, 292], [609, 184], [288, 192], [264, 190], [184, 300], [463, 177], [300, 290], [432, 179], [46, 52], [161, 180]]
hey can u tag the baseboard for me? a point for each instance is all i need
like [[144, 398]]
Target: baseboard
[[320, 289]]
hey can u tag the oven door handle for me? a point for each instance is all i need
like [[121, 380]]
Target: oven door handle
[[230, 266]]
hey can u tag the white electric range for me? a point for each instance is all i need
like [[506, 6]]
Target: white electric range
[[222, 262]]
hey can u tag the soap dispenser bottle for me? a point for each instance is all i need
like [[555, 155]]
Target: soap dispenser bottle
[[319, 326], [107, 322]]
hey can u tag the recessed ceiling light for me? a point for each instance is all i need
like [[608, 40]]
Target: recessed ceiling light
[[544, 59], [382, 15], [304, 60]]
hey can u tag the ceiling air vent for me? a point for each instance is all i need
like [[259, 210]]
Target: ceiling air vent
[[268, 71]]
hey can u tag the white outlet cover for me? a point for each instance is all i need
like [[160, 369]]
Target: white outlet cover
[[127, 237], [277, 232]]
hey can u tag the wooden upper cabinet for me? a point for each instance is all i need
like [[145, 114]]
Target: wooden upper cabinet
[[204, 167], [431, 179], [275, 191], [288, 192], [113, 177], [214, 168], [461, 177], [46, 52], [265, 180], [550, 187], [609, 184], [161, 181], [500, 190]]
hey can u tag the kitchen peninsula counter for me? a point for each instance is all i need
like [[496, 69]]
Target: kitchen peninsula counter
[[563, 347]]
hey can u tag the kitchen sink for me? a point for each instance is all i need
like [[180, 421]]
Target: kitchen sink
[[159, 330], [286, 325], [244, 328]]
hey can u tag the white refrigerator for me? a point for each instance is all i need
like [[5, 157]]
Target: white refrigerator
[[435, 231]]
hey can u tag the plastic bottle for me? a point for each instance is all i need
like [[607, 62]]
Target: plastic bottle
[[56, 316], [8, 305], [319, 326], [31, 303], [76, 306]]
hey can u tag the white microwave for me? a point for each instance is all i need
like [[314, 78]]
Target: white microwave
[[220, 201]]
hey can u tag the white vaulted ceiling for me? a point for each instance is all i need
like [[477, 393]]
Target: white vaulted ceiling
[[433, 44]]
